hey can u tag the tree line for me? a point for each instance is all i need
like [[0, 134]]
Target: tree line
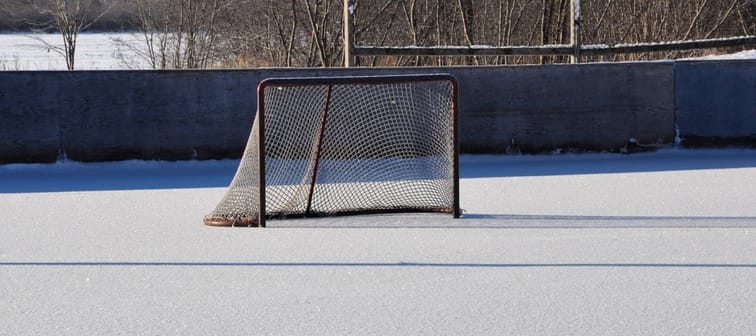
[[308, 33]]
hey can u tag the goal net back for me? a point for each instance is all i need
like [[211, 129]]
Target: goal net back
[[347, 145]]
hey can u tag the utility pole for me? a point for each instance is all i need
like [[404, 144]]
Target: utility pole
[[575, 31], [348, 28]]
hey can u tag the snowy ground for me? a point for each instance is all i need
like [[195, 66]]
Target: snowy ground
[[101, 51], [747, 54], [655, 244]]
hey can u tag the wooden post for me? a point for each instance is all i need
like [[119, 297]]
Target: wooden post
[[575, 31], [348, 27]]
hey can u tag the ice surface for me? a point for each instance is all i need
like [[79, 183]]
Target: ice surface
[[655, 244]]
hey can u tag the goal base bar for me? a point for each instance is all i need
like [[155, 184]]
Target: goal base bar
[[228, 222], [254, 222]]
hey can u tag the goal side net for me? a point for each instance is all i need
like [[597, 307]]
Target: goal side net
[[347, 145]]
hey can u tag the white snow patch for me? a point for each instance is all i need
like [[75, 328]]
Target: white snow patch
[[743, 55], [95, 51]]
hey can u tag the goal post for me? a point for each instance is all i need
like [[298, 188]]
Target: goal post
[[330, 146]]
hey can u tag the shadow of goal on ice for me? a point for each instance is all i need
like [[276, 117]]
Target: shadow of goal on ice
[[347, 145]]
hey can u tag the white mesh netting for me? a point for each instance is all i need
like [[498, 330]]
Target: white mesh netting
[[347, 146]]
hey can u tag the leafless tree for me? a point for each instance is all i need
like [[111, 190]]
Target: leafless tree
[[182, 33], [69, 17], [307, 32], [253, 33]]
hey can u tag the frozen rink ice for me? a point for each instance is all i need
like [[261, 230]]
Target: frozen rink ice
[[593, 244]]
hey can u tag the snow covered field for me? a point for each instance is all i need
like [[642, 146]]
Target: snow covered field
[[100, 51], [655, 244]]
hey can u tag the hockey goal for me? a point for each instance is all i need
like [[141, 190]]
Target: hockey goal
[[347, 145]]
